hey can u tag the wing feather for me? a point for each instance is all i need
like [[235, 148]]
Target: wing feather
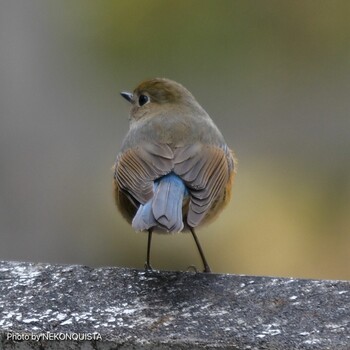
[[137, 168], [205, 170]]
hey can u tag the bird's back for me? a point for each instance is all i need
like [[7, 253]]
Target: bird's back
[[181, 140]]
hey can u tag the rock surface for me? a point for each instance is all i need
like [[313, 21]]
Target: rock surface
[[76, 307]]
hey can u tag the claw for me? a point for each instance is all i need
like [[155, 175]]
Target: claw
[[192, 267], [148, 267], [207, 269]]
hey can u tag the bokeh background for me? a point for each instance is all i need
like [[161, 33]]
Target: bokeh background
[[275, 77]]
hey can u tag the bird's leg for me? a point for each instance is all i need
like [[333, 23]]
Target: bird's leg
[[148, 266], [204, 260]]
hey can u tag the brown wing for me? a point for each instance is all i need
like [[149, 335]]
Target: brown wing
[[137, 168], [206, 170]]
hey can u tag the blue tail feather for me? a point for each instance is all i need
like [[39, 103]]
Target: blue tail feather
[[164, 210]]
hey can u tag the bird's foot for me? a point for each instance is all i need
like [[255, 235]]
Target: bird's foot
[[207, 269], [192, 268], [148, 267], [195, 270]]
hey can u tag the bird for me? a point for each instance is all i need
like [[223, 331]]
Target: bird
[[174, 172]]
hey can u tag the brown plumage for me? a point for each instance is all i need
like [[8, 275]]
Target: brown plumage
[[173, 151]]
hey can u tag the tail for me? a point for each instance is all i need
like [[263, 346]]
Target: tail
[[164, 210]]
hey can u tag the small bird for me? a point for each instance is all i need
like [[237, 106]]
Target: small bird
[[174, 172]]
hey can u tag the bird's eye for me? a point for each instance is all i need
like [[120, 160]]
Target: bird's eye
[[143, 99]]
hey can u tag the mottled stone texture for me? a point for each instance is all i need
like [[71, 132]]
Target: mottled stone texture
[[131, 309]]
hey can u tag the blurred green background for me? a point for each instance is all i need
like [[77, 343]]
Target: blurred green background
[[274, 76]]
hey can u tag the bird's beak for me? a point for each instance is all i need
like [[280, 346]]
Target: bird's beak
[[127, 95]]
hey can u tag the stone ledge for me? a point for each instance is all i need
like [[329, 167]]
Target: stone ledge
[[130, 309]]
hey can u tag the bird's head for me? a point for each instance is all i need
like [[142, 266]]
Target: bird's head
[[158, 95]]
